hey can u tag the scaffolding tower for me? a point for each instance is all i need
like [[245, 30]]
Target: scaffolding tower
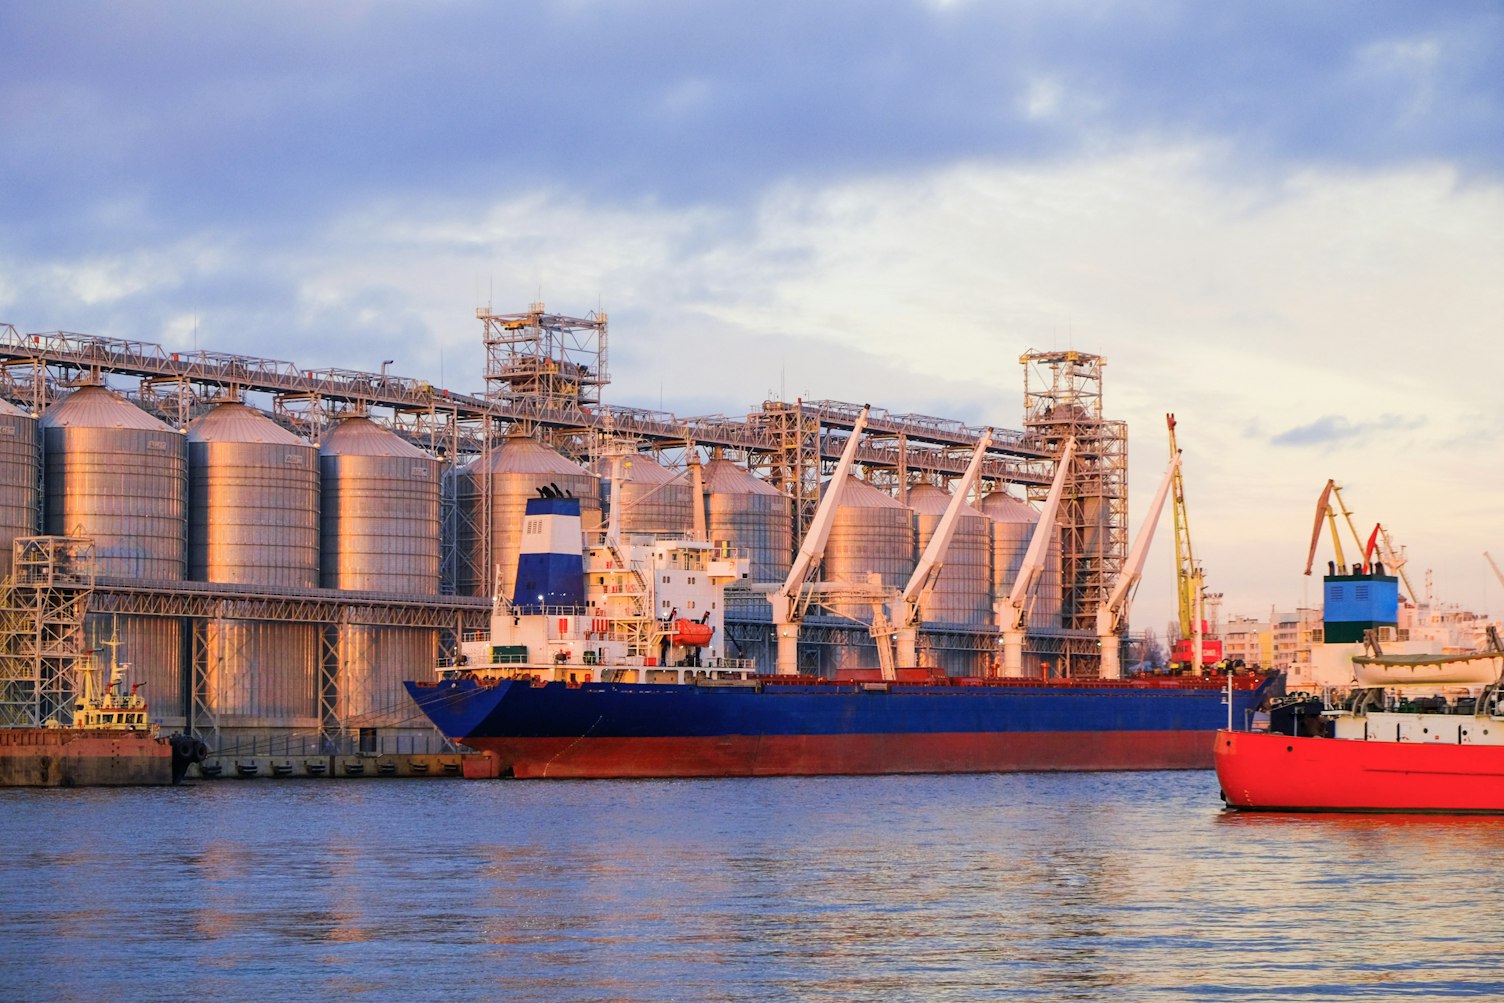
[[1063, 400], [42, 629]]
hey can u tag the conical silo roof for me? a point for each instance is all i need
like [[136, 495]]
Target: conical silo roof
[[97, 407], [999, 506], [359, 436], [235, 422], [926, 499], [723, 477], [638, 468], [523, 454], [11, 411], [859, 494]]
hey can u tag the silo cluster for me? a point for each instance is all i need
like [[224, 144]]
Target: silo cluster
[[235, 499]]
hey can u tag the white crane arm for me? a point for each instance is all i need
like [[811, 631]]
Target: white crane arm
[[1039, 542], [1112, 613], [927, 571], [813, 545]]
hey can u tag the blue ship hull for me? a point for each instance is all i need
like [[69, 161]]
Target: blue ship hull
[[776, 726]]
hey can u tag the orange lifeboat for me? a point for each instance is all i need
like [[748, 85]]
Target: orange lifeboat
[[688, 634]]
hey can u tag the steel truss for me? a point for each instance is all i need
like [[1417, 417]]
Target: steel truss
[[42, 629]]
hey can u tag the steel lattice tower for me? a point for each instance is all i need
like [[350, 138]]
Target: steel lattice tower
[[1063, 398]]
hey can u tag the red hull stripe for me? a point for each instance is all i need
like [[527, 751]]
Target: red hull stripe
[[819, 755], [1272, 772]]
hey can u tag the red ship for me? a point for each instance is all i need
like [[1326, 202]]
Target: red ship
[[1416, 733]]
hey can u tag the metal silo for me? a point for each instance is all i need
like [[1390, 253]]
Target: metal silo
[[654, 499], [380, 512], [381, 534], [253, 519], [253, 501], [115, 473], [751, 515], [18, 479], [871, 533], [516, 471], [1013, 523], [962, 595]]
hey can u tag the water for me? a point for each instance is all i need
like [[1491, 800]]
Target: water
[[1029, 887]]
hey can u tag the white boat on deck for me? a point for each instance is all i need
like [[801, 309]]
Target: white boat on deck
[[1475, 668]]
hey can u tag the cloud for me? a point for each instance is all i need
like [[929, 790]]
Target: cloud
[[1331, 428]]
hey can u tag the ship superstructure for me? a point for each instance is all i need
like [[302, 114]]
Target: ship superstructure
[[637, 610]]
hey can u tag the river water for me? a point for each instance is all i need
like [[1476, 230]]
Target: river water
[[992, 887]]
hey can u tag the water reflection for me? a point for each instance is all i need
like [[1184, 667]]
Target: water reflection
[[936, 888]]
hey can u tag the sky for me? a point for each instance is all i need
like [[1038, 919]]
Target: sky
[[1282, 221]]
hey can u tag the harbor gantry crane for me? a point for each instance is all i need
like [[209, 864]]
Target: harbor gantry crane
[[1012, 613], [906, 616], [1377, 540], [792, 598], [1191, 650], [1112, 614]]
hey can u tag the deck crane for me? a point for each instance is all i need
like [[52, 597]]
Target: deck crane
[[906, 619], [1113, 613], [1012, 613], [1191, 650], [792, 598]]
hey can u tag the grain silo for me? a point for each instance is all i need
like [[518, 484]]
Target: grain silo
[[962, 594], [253, 520], [380, 534], [253, 501], [872, 533], [18, 479], [114, 473], [117, 474], [1013, 523], [380, 511], [752, 516], [654, 499], [517, 469]]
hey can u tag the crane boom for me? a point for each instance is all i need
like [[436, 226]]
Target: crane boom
[[1112, 613], [1012, 614], [1494, 564], [1187, 574], [786, 601], [927, 572]]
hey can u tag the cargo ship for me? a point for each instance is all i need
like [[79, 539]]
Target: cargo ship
[[607, 662], [111, 742], [1413, 732]]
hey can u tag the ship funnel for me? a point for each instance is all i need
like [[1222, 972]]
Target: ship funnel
[[550, 565]]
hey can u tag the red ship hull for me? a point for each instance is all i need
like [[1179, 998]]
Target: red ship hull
[[83, 757], [1263, 771], [819, 755]]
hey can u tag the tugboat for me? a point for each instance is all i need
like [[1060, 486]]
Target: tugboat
[[111, 742]]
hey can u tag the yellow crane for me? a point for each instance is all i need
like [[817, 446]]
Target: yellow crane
[[1192, 650]]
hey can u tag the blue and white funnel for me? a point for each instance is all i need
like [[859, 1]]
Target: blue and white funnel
[[550, 567]]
